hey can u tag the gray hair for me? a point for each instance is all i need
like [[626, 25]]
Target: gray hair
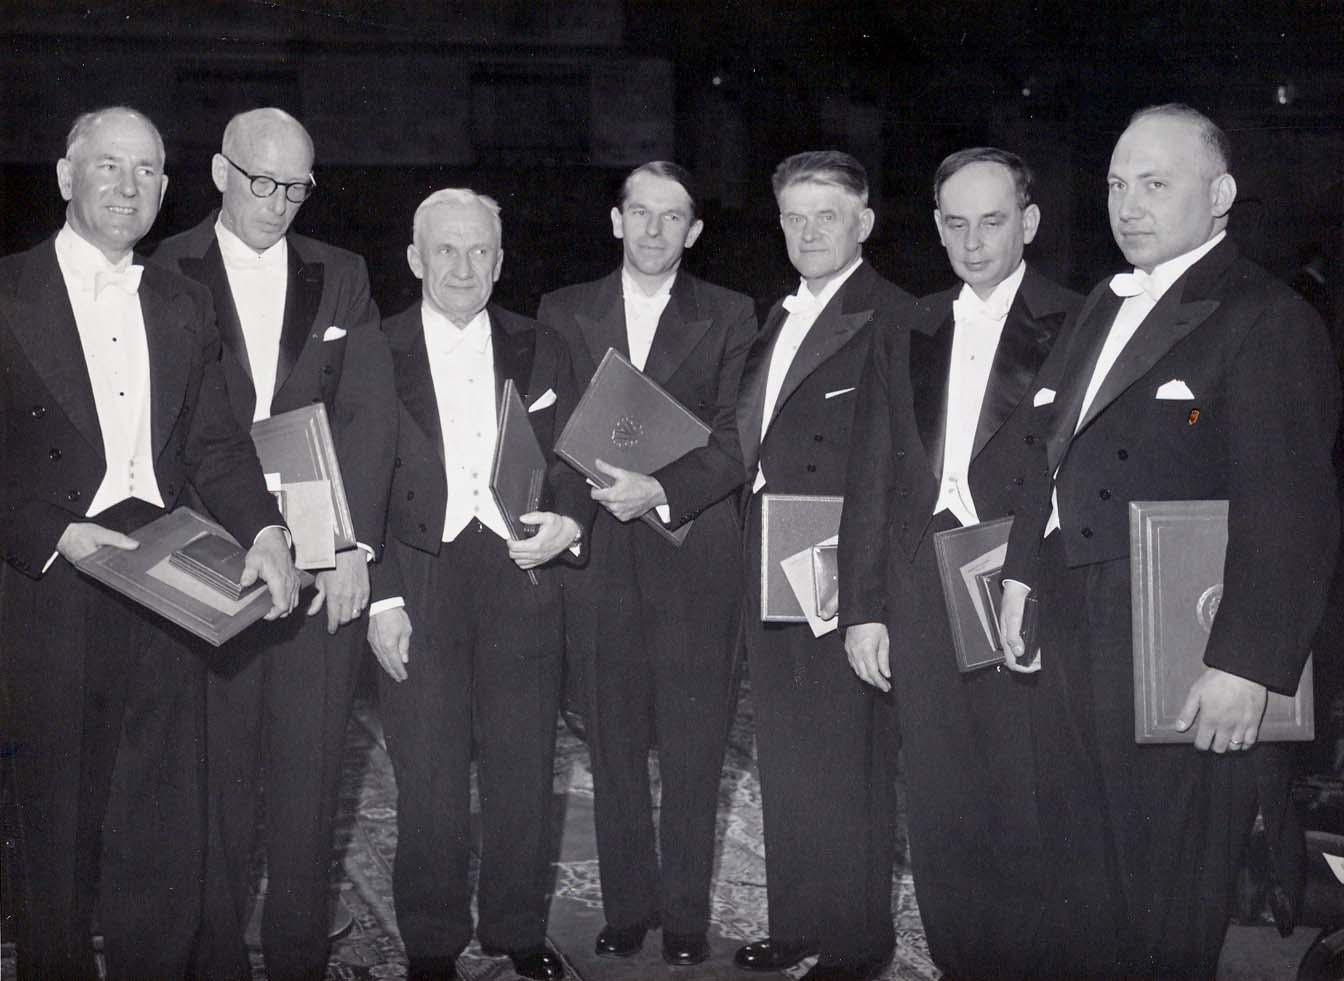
[[457, 195], [84, 125], [832, 167], [264, 123]]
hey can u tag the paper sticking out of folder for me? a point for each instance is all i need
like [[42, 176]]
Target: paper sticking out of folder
[[819, 599]]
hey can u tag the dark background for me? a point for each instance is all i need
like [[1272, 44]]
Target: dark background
[[546, 104]]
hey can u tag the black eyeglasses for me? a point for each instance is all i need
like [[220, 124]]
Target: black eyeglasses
[[296, 192]]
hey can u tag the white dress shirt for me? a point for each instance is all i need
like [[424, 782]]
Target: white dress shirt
[[258, 283], [1131, 315], [804, 307], [977, 327], [642, 313], [111, 327]]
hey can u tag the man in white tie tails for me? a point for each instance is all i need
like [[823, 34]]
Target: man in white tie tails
[[1196, 376], [299, 326], [470, 649], [112, 400], [826, 777], [650, 628], [962, 456]]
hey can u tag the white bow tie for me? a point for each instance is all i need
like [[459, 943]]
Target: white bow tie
[[126, 280], [1132, 284], [802, 302], [968, 306]]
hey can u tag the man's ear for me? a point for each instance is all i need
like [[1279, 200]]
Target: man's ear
[[697, 227], [219, 172], [65, 178], [499, 265], [413, 260], [1031, 220], [1222, 192], [938, 224], [163, 188], [867, 218], [617, 229]]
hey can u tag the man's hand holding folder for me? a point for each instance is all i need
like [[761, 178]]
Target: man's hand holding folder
[[1017, 628]]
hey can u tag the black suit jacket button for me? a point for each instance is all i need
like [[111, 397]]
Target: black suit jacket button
[[39, 411], [396, 462], [1122, 454], [818, 437], [1087, 532], [1029, 439], [900, 454], [423, 528], [326, 369], [72, 495], [54, 453], [811, 468], [1017, 481], [410, 495], [1104, 494]]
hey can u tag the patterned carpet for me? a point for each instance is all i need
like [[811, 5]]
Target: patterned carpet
[[366, 844]]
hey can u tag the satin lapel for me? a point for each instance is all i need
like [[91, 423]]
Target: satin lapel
[[603, 326], [168, 334], [209, 271], [302, 296], [751, 391], [1168, 323], [45, 327], [930, 364], [1094, 322], [513, 347], [415, 382], [679, 331], [829, 334], [1022, 348]]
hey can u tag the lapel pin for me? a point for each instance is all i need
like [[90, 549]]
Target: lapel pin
[[1192, 418]]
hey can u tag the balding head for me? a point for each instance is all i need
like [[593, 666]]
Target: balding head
[[262, 143]]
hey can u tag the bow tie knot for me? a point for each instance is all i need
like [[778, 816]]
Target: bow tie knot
[[968, 306], [127, 280], [802, 302], [1132, 284]]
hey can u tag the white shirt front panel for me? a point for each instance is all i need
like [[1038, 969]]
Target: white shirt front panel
[[258, 283], [804, 307], [977, 328], [462, 364], [116, 352], [642, 313]]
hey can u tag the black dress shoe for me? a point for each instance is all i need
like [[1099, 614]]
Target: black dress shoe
[[771, 955], [684, 949], [535, 962], [620, 941], [848, 971], [431, 969]]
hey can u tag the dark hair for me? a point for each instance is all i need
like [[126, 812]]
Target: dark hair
[[1216, 143], [822, 167], [669, 170], [953, 162]]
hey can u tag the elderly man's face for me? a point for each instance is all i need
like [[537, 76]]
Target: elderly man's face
[[655, 224], [824, 228], [1164, 199], [981, 226], [114, 182], [457, 257], [282, 155]]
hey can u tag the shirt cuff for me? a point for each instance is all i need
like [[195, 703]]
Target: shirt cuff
[[1019, 582], [664, 512], [383, 605], [289, 539], [368, 551], [49, 562]]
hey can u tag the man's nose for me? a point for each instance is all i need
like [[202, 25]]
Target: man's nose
[[126, 184], [809, 230], [277, 202], [653, 228], [461, 266], [1129, 206], [974, 240]]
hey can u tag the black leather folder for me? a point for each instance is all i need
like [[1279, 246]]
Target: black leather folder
[[626, 419], [518, 472]]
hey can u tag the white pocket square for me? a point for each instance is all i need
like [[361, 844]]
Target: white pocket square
[[547, 398], [1175, 389], [840, 391], [1043, 396], [333, 333]]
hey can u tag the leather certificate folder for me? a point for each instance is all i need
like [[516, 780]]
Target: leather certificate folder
[[1176, 558], [792, 523], [970, 561], [298, 446], [626, 419], [214, 560], [518, 472], [149, 576]]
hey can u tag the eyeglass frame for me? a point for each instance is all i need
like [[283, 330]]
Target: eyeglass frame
[[308, 185]]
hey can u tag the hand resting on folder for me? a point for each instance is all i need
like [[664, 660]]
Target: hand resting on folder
[[631, 495], [554, 533], [1011, 615]]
